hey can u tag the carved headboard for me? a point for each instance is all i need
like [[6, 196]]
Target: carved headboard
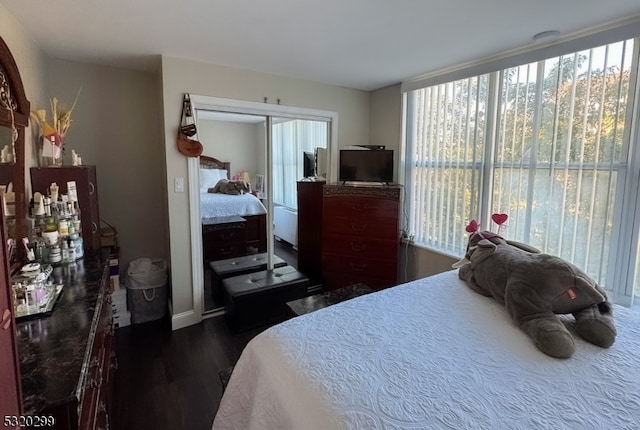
[[213, 163]]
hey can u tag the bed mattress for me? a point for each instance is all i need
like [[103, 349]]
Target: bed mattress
[[217, 205], [430, 354]]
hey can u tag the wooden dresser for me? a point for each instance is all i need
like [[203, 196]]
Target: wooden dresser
[[361, 236], [224, 237], [67, 361], [310, 228]]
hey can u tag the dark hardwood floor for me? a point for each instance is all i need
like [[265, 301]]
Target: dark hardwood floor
[[168, 380]]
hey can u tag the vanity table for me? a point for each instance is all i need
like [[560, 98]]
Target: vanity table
[[67, 361]]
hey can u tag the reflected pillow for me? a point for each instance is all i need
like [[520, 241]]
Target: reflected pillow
[[210, 177]]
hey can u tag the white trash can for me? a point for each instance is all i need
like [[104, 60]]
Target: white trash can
[[147, 291]]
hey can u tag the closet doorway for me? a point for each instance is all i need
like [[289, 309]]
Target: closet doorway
[[265, 144]]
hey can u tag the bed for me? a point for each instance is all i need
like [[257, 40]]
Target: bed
[[215, 205], [429, 354]]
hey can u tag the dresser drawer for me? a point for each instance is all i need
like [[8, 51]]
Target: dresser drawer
[[360, 246], [361, 207], [97, 383], [226, 233], [224, 241], [382, 228], [361, 266], [222, 251], [334, 281]]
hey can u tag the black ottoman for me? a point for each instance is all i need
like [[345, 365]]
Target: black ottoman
[[223, 269], [257, 299]]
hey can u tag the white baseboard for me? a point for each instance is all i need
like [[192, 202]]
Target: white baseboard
[[184, 319]]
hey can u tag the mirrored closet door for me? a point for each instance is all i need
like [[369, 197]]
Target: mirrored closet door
[[272, 152]]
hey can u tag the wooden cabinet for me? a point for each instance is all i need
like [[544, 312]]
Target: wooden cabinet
[[224, 237], [11, 398], [95, 400], [67, 359], [310, 228], [361, 231], [87, 188]]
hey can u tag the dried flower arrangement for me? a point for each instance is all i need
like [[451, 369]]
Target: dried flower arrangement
[[53, 133]]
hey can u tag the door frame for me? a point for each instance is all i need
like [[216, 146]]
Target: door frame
[[200, 102]]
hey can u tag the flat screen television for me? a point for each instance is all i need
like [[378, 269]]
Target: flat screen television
[[309, 165], [366, 165]]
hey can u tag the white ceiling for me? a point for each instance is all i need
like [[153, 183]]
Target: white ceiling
[[362, 44]]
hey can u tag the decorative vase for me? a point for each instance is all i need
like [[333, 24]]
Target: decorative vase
[[51, 152]]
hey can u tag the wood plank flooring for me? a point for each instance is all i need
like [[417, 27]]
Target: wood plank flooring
[[168, 380]]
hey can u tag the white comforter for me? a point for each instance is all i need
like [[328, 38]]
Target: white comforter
[[215, 205], [430, 354]]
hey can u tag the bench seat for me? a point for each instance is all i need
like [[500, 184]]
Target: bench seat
[[223, 269], [259, 298]]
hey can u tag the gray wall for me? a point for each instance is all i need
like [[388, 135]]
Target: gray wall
[[116, 127]]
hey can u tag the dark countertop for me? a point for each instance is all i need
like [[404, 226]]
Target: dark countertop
[[52, 349]]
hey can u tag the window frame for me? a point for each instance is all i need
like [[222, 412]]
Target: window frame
[[621, 270]]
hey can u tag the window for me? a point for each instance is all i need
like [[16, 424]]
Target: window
[[291, 139], [548, 143]]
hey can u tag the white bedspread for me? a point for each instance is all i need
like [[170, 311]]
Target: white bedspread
[[430, 354], [214, 205]]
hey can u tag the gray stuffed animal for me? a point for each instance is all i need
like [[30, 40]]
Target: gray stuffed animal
[[535, 288], [225, 186]]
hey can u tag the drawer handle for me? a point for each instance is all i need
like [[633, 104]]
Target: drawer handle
[[92, 188], [94, 227], [94, 362], [103, 409], [358, 247], [114, 361], [359, 208], [358, 267], [96, 382], [226, 236], [358, 227]]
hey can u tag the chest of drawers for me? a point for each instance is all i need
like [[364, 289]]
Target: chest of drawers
[[361, 233], [67, 360], [224, 237]]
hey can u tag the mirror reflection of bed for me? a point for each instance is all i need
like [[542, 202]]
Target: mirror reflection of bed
[[235, 149], [233, 221]]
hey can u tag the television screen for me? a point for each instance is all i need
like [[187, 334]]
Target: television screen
[[309, 165], [366, 165]]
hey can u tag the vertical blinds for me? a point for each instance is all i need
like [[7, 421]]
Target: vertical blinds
[[546, 142]]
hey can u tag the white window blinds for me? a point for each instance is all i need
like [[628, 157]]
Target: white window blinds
[[548, 143]]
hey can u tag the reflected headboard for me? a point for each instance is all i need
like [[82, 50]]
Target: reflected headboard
[[213, 163]]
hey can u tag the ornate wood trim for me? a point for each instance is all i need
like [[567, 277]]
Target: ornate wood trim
[[214, 163], [14, 98], [11, 90], [389, 192]]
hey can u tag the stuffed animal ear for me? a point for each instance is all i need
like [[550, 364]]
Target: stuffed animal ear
[[486, 243], [461, 263]]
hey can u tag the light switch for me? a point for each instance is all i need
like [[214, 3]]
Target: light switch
[[179, 185]]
